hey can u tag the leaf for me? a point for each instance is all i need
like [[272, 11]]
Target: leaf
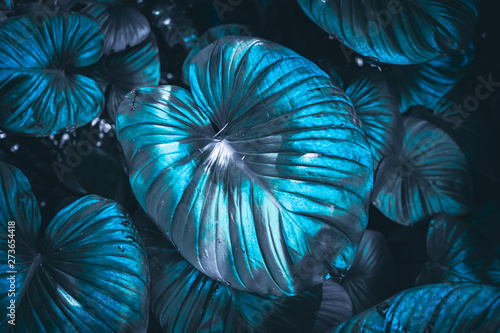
[[210, 36], [399, 32], [185, 300], [458, 254], [336, 307], [122, 25], [429, 177], [428, 83], [433, 308], [123, 71], [86, 272], [266, 160], [41, 91], [377, 108], [371, 277]]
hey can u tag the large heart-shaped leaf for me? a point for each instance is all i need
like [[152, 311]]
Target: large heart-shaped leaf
[[210, 36], [397, 31], [123, 71], [185, 300], [371, 277], [429, 176], [433, 308], [121, 24], [427, 84], [262, 172], [86, 272], [377, 109], [458, 254], [41, 91]]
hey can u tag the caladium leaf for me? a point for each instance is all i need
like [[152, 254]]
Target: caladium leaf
[[458, 254], [210, 36], [443, 307], [123, 71], [377, 108], [335, 308], [399, 32], [121, 24], [262, 171], [41, 91], [86, 272], [371, 277], [430, 176], [185, 300]]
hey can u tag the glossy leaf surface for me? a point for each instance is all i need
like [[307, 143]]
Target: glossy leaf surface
[[210, 36], [397, 31], [430, 176], [41, 91], [371, 277], [458, 254], [123, 71], [377, 108], [185, 300], [122, 25], [87, 271], [439, 307], [263, 168]]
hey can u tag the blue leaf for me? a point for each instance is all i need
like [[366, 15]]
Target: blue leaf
[[427, 84], [335, 308], [399, 32], [263, 170], [185, 300], [121, 24], [371, 277], [377, 108], [430, 176], [458, 254], [433, 308], [41, 91], [86, 272]]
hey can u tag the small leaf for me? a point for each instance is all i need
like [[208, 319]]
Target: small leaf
[[458, 254], [429, 177], [122, 25], [41, 91]]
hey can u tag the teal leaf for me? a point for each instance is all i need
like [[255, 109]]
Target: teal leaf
[[121, 24], [264, 168], [428, 83], [433, 308], [335, 308], [185, 300], [41, 92], [123, 71], [86, 272], [210, 36], [370, 279], [430, 176], [458, 253], [399, 32], [377, 108]]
